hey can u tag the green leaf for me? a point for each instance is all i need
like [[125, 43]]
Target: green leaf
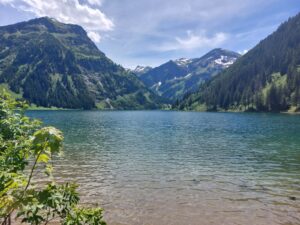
[[23, 142], [43, 158]]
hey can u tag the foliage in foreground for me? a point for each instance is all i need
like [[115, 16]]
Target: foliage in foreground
[[25, 147]]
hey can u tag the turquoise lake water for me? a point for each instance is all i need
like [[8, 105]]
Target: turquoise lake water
[[171, 168]]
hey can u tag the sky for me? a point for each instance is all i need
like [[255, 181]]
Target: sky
[[151, 32]]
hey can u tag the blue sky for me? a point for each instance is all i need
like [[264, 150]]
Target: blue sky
[[151, 32]]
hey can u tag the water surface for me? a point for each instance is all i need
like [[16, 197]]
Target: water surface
[[174, 168]]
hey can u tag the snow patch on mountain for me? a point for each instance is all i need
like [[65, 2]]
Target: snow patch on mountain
[[225, 61], [183, 61], [188, 75], [141, 69], [156, 85]]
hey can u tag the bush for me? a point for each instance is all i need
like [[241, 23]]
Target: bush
[[26, 146]]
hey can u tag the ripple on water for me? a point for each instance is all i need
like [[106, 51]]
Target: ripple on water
[[183, 168]]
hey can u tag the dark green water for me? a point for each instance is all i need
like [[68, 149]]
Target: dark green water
[[190, 168]]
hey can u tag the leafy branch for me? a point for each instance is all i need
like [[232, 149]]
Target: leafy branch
[[24, 141]]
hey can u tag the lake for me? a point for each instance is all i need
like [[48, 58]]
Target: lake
[[174, 168]]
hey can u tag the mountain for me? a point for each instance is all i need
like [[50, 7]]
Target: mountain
[[54, 64], [139, 70], [176, 78], [267, 78]]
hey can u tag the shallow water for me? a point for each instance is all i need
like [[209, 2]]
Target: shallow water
[[174, 168]]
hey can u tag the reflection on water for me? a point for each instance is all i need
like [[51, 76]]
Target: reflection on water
[[174, 168]]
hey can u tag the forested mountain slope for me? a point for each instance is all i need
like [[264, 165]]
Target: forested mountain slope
[[175, 78], [54, 64], [267, 78]]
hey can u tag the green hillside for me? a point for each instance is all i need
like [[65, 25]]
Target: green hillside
[[176, 78], [267, 78], [54, 64]]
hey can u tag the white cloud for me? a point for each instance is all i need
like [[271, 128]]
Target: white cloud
[[68, 11], [6, 2], [243, 52], [95, 2], [192, 42], [163, 29], [94, 36]]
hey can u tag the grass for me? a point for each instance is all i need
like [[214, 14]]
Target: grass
[[102, 105], [199, 107], [5, 88], [294, 109], [277, 80], [35, 107]]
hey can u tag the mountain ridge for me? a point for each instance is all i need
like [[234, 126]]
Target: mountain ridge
[[56, 64], [175, 78], [267, 78]]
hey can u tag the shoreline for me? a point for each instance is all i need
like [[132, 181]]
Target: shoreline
[[164, 110]]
